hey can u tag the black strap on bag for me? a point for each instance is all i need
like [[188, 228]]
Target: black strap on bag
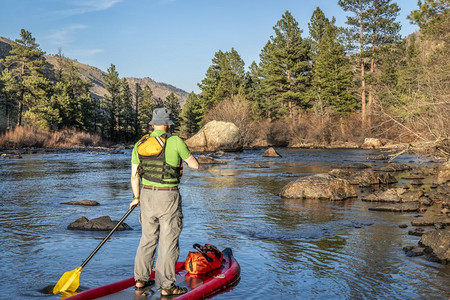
[[204, 249]]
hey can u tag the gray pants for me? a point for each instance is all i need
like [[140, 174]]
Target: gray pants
[[162, 220]]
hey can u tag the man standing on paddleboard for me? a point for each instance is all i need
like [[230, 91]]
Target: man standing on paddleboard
[[157, 161]]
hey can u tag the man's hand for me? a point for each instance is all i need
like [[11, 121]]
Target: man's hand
[[135, 202]]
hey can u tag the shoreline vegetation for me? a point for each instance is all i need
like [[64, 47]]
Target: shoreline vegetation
[[30, 140]]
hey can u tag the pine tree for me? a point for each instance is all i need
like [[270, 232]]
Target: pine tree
[[146, 108], [317, 28], [432, 16], [173, 104], [223, 79], [358, 22], [191, 116], [72, 98], [138, 95], [126, 112], [8, 98], [25, 81], [112, 101], [373, 24], [285, 69], [383, 30], [332, 81]]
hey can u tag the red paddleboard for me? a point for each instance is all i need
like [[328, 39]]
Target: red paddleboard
[[199, 286]]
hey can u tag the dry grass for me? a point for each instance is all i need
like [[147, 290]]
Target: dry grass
[[25, 136]]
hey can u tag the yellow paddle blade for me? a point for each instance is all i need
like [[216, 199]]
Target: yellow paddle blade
[[68, 282]]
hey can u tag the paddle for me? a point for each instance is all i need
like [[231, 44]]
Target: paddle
[[69, 281]]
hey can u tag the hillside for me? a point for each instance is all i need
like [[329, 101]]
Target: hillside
[[95, 76]]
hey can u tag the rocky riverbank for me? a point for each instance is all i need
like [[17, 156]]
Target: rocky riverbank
[[395, 188]]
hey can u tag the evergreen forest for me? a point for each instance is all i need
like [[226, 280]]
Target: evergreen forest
[[321, 85]]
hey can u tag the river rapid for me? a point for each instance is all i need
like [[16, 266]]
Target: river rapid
[[287, 249]]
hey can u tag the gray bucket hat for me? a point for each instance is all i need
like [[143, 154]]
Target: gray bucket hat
[[161, 116]]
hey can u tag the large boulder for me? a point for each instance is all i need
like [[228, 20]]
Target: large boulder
[[437, 242], [371, 143], [217, 136], [320, 186], [100, 224]]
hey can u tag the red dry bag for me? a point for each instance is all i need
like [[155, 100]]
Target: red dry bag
[[206, 259]]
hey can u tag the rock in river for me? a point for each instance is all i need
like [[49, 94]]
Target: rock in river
[[397, 207], [364, 177], [320, 186], [398, 195], [271, 152], [371, 143], [437, 242], [206, 159], [97, 224], [82, 202]]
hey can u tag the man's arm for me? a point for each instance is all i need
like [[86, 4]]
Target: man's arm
[[192, 162], [135, 184]]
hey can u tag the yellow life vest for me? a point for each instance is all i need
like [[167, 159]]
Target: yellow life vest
[[153, 166]]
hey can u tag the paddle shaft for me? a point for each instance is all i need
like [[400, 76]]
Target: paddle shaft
[[107, 237]]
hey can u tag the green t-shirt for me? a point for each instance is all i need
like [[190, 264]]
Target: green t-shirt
[[175, 151]]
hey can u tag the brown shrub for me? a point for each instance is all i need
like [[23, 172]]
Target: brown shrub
[[278, 134], [237, 110], [323, 129], [71, 138], [25, 136]]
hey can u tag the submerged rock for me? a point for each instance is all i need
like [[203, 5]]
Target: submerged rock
[[203, 159], [320, 186], [413, 251], [82, 202], [417, 232], [442, 221], [397, 207], [395, 167], [10, 156], [97, 224]]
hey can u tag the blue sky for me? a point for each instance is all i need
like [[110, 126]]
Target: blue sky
[[170, 41]]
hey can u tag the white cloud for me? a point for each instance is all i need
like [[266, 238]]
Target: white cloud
[[66, 39], [86, 6], [64, 36]]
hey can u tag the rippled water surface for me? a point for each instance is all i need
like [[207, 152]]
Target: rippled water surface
[[287, 249]]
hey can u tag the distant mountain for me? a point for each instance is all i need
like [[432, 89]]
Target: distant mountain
[[95, 76], [5, 47]]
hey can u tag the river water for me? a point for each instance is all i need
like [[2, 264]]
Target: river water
[[287, 249]]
